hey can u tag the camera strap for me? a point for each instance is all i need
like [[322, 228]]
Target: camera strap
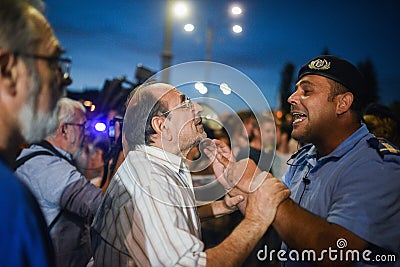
[[54, 153], [24, 159]]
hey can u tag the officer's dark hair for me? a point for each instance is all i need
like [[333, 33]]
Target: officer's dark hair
[[337, 89]]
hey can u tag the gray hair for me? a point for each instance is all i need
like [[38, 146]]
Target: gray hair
[[67, 110], [18, 31]]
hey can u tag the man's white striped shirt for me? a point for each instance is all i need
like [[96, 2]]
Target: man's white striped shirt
[[148, 216]]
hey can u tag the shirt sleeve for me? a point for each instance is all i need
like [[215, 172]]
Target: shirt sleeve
[[365, 202], [80, 196]]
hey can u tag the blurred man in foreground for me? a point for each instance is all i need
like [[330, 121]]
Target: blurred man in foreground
[[32, 78]]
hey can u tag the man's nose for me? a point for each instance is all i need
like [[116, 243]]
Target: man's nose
[[293, 98]]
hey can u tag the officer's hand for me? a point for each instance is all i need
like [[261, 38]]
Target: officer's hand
[[262, 203]]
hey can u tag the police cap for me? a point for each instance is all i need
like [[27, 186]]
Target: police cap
[[337, 69]]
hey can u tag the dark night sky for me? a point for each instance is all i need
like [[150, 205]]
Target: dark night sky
[[107, 39]]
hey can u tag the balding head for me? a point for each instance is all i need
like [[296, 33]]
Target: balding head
[[160, 115], [143, 104]]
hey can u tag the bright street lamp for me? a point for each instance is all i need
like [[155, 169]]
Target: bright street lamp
[[201, 88], [189, 27], [226, 90], [236, 10], [237, 29], [180, 10]]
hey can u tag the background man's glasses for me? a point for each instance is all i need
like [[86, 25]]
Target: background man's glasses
[[187, 104], [82, 126], [64, 63]]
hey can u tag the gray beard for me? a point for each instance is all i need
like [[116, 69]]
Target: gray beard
[[36, 125]]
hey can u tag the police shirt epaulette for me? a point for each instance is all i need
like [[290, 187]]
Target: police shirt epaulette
[[383, 146]]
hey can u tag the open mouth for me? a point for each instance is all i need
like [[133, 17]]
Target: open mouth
[[298, 117]]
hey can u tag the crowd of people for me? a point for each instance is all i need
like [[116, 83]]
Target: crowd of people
[[289, 190]]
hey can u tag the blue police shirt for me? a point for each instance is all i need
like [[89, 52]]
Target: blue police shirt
[[354, 186]]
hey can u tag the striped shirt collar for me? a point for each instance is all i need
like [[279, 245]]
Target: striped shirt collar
[[171, 161]]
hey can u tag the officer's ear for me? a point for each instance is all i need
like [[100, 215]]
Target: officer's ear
[[344, 102]]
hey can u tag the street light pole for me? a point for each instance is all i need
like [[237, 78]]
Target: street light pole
[[209, 41], [166, 55], [210, 31]]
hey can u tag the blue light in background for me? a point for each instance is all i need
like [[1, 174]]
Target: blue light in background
[[100, 126]]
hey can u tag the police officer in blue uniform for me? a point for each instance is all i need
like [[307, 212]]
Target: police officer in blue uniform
[[344, 208], [345, 182]]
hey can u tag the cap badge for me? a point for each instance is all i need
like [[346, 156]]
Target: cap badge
[[319, 64]]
